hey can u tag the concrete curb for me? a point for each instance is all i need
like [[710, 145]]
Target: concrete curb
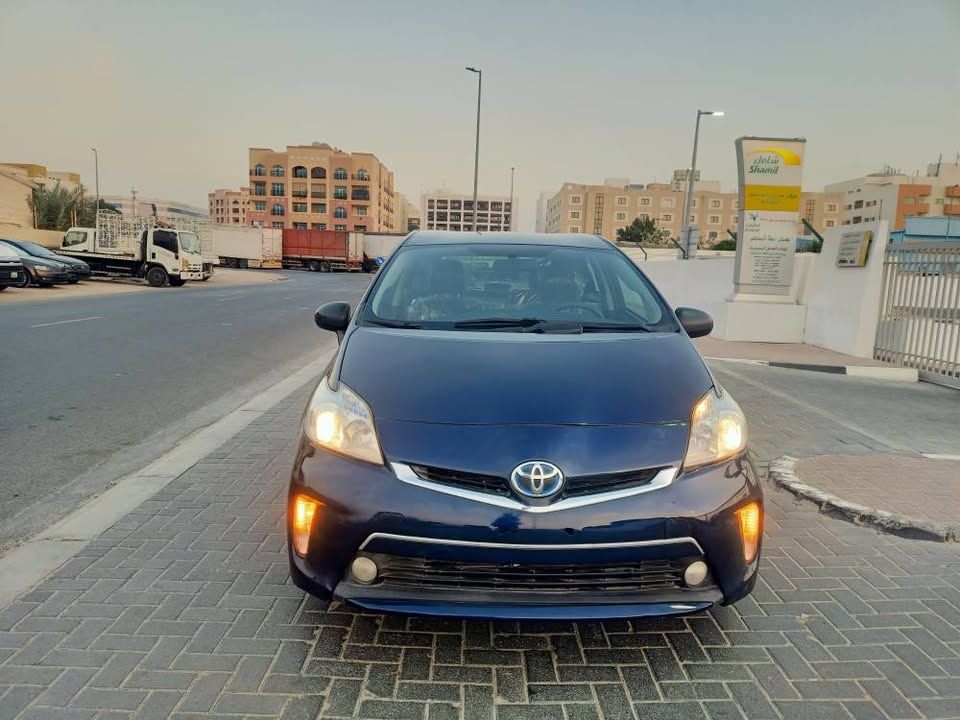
[[782, 473], [889, 374]]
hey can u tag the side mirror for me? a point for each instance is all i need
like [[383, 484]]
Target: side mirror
[[696, 322], [333, 316]]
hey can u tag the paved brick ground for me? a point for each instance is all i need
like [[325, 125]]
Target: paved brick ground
[[917, 487], [184, 609]]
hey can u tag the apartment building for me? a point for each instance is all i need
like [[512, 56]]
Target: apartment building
[[448, 211], [229, 207], [893, 196], [604, 209], [320, 187], [406, 216], [19, 180]]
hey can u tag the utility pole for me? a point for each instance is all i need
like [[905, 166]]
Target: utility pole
[[133, 201], [511, 198], [688, 201], [96, 180], [476, 152]]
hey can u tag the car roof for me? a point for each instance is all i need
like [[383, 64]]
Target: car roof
[[440, 237]]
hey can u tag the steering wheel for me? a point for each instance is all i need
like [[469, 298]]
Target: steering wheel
[[581, 306]]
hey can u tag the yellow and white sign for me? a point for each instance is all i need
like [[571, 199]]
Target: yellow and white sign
[[770, 172], [853, 248]]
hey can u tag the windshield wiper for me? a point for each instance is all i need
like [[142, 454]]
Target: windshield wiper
[[405, 324], [525, 325], [617, 327]]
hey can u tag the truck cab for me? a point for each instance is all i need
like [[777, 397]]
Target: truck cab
[[160, 255]]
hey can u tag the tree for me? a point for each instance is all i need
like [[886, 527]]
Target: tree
[[643, 231], [56, 208]]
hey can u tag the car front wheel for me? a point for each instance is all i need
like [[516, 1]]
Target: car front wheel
[[156, 277]]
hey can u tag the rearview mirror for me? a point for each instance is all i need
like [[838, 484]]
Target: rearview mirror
[[333, 316], [696, 322]]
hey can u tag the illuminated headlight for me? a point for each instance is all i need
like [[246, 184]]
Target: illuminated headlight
[[718, 430], [342, 422]]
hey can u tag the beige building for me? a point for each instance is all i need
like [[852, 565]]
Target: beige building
[[604, 209], [319, 187], [407, 216], [17, 182], [444, 210], [894, 196], [229, 207]]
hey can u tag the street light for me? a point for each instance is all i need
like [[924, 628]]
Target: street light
[[476, 152], [685, 232], [96, 175]]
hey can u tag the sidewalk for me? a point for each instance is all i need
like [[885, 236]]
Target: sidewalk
[[184, 609], [801, 356]]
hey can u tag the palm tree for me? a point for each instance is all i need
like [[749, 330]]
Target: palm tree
[[56, 208]]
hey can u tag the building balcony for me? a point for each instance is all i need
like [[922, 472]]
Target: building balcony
[[318, 194], [360, 195], [360, 177], [951, 209], [298, 193], [953, 191]]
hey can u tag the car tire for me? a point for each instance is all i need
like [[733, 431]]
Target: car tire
[[2, 288], [74, 281], [205, 279], [157, 277], [26, 280], [314, 266], [324, 266], [176, 282]]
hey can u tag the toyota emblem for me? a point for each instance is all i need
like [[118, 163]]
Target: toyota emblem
[[536, 479]]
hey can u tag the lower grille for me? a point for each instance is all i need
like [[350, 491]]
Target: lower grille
[[646, 576], [575, 486]]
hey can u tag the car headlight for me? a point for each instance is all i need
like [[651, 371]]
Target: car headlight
[[718, 430], [340, 420]]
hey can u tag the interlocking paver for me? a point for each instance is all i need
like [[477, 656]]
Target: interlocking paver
[[184, 609]]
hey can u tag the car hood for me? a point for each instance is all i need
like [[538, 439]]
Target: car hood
[[495, 378], [33, 260]]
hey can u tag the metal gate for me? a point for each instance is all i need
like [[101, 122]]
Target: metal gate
[[919, 322]]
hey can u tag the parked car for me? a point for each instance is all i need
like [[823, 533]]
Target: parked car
[[78, 269], [518, 426], [38, 270], [11, 269]]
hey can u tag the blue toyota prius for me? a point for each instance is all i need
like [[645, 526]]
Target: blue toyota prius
[[518, 426]]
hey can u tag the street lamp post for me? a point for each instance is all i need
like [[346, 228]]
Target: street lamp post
[[511, 200], [96, 180], [476, 152], [688, 201]]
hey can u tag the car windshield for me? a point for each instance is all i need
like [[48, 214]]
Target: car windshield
[[20, 253], [39, 250], [515, 287], [189, 242]]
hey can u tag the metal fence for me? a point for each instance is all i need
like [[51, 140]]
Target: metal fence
[[919, 323]]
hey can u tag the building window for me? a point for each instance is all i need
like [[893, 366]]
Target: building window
[[859, 204], [260, 188], [828, 223], [300, 207], [340, 228], [857, 219], [621, 200], [319, 208], [340, 192], [643, 216], [361, 210], [361, 174], [318, 173], [712, 235], [340, 212], [574, 229], [276, 224], [575, 200], [359, 228], [259, 170], [621, 216], [714, 219], [319, 226], [714, 204], [831, 207], [276, 189], [300, 172], [260, 206], [277, 210], [667, 217], [574, 214], [277, 171], [645, 201], [340, 174], [667, 202], [299, 226], [735, 204], [734, 219], [693, 204], [906, 201]]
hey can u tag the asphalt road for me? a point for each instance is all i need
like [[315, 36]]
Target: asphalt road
[[96, 387]]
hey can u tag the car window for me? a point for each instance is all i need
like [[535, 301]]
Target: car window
[[16, 251], [7, 252], [437, 286], [74, 237], [165, 239]]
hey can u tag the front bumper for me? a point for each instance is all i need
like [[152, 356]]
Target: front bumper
[[441, 554], [191, 275]]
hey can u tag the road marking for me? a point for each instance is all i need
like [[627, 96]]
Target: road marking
[[64, 322], [940, 456]]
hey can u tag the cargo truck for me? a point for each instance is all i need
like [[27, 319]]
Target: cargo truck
[[323, 250], [378, 247], [247, 247], [137, 247]]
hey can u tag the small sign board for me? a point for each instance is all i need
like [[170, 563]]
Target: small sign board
[[854, 248]]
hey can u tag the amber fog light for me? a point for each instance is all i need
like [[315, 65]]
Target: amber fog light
[[304, 510], [749, 517]]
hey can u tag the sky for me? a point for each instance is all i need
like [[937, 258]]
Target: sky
[[173, 93]]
